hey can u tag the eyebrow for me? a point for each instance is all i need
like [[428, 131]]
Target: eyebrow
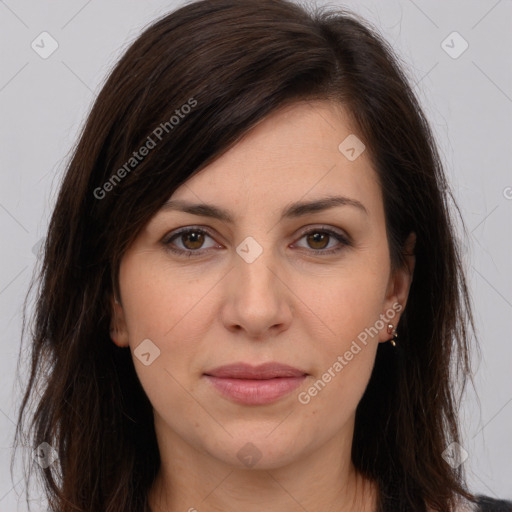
[[294, 210]]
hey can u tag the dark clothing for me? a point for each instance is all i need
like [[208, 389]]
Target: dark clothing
[[487, 504]]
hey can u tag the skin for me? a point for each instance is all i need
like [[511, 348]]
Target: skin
[[292, 305]]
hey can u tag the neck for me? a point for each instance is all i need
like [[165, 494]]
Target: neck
[[196, 482]]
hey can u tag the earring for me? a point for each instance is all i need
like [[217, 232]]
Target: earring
[[392, 330]]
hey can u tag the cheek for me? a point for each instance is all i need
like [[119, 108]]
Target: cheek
[[161, 301], [349, 307], [346, 301], [170, 308], [163, 306]]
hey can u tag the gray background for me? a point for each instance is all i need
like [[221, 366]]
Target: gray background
[[468, 101]]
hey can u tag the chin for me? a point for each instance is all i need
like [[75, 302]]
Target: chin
[[256, 452]]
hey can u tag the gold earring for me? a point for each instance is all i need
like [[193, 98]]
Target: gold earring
[[392, 330]]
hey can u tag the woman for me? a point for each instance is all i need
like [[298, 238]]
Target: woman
[[251, 289]]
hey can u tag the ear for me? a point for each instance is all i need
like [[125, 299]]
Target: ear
[[399, 285], [118, 330]]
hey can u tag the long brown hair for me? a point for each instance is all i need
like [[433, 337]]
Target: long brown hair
[[233, 62]]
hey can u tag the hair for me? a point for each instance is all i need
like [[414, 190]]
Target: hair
[[232, 63]]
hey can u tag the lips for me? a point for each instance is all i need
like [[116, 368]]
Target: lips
[[255, 385], [261, 372]]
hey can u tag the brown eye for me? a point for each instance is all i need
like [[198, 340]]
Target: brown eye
[[192, 239], [318, 240], [188, 242]]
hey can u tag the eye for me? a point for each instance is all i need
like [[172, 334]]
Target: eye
[[191, 238], [318, 240], [192, 241]]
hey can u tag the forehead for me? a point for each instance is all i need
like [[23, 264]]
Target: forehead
[[299, 151]]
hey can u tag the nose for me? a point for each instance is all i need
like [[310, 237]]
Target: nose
[[258, 300]]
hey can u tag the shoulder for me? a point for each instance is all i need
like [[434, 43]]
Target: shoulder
[[487, 504]]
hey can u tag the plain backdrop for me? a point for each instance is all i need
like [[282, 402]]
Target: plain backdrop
[[467, 96]]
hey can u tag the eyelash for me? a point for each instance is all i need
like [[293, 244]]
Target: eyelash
[[188, 253]]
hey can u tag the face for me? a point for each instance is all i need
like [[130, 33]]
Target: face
[[310, 288]]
